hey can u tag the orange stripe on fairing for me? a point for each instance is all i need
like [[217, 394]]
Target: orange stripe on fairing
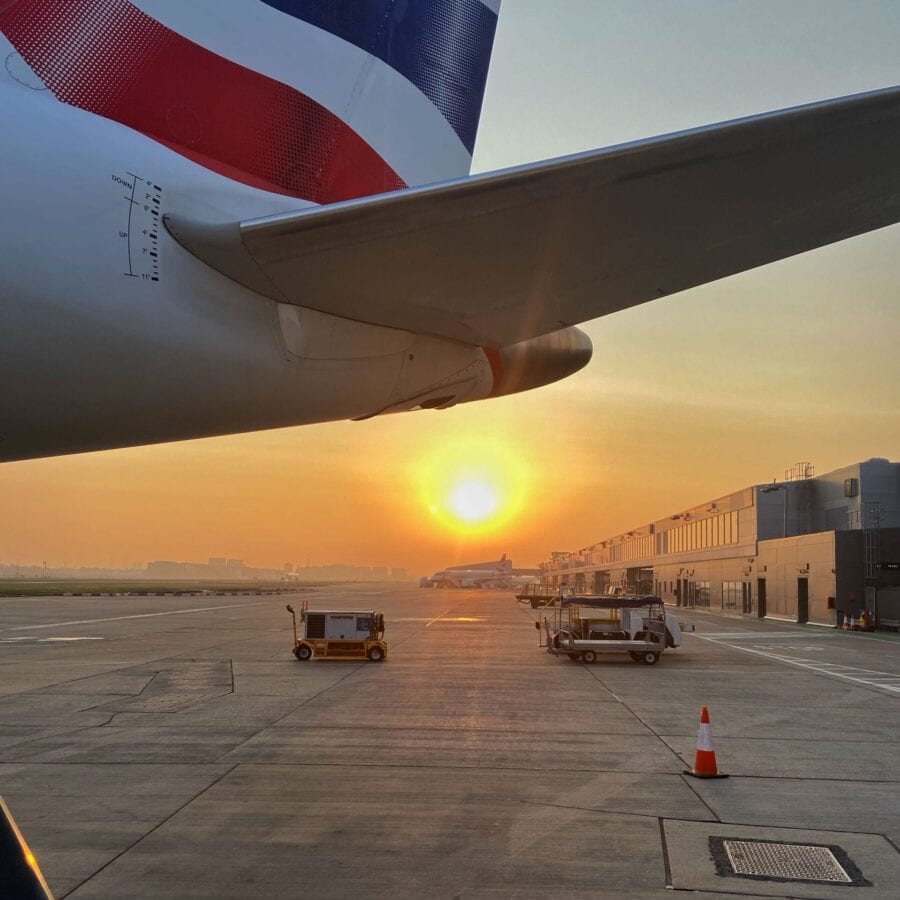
[[496, 364]]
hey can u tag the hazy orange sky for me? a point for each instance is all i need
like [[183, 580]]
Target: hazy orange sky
[[686, 398]]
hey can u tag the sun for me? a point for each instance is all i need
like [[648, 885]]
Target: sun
[[473, 486], [473, 501]]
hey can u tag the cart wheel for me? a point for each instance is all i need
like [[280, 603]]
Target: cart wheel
[[376, 654], [635, 656], [303, 652], [650, 659], [589, 656]]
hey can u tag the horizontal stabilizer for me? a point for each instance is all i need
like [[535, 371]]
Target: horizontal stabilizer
[[510, 255]]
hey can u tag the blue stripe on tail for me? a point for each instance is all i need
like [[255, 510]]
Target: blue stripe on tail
[[442, 46]]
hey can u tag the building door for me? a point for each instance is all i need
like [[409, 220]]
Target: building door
[[802, 599], [746, 598], [761, 597]]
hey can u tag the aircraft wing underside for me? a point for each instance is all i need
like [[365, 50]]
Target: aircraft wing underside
[[498, 258]]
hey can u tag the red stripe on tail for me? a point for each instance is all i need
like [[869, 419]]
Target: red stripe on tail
[[110, 58]]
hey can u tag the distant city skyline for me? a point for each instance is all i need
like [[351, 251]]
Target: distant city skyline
[[214, 568]]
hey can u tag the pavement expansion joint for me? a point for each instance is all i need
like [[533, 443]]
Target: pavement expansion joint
[[177, 687], [601, 811]]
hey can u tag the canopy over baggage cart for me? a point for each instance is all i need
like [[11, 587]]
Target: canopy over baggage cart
[[610, 602]]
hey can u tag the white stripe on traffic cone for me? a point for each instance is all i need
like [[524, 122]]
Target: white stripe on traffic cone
[[705, 760]]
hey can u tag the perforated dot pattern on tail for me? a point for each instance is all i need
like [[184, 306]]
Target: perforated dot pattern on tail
[[110, 58]]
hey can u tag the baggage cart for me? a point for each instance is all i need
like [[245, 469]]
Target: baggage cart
[[583, 627]]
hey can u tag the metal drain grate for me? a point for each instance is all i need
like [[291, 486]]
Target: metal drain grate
[[780, 861], [800, 863]]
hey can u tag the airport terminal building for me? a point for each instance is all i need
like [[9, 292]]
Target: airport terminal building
[[807, 549]]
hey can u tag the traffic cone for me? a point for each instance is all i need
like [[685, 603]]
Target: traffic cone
[[705, 760]]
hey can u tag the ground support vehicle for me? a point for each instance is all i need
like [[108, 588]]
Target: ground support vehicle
[[339, 634], [584, 627], [538, 596], [541, 598]]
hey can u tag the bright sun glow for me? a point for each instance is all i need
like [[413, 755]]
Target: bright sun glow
[[473, 501], [473, 486]]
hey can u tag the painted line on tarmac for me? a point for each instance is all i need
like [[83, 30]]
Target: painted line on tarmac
[[173, 612], [798, 634], [833, 669], [47, 640], [757, 635], [446, 612]]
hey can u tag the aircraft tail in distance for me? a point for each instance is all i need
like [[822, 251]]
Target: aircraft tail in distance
[[308, 98]]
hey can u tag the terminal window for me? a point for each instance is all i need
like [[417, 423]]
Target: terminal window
[[716, 531]]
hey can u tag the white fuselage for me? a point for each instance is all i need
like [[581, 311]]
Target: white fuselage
[[476, 578], [111, 334]]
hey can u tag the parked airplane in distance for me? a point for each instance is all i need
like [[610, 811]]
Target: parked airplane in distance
[[229, 215], [498, 574]]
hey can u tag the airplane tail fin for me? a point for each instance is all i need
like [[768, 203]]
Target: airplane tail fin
[[314, 99]]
